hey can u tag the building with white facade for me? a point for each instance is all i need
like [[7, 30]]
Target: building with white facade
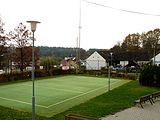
[[156, 59], [95, 62]]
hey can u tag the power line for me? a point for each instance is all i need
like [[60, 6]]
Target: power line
[[123, 10]]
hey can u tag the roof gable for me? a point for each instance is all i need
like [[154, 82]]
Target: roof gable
[[157, 57], [95, 56], [124, 56]]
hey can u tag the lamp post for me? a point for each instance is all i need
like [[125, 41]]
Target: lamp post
[[33, 29], [109, 76], [111, 58], [154, 53], [109, 73]]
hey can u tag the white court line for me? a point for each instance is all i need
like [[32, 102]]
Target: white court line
[[22, 102], [57, 102], [79, 95], [74, 97], [55, 88]]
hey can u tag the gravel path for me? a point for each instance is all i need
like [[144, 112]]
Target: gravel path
[[149, 112]]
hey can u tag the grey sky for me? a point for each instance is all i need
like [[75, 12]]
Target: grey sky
[[101, 27]]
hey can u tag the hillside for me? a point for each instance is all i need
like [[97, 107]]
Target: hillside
[[58, 52]]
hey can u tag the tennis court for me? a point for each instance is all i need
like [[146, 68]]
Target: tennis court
[[54, 95]]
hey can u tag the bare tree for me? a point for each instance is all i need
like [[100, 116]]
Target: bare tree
[[3, 44], [21, 39], [3, 38]]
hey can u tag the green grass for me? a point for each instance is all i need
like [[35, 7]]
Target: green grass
[[118, 99], [108, 103], [54, 95]]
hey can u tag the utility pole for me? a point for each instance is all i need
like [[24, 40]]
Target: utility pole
[[79, 40]]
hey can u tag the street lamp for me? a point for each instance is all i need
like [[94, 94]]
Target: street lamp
[[111, 58], [109, 76], [33, 29], [154, 54], [109, 73]]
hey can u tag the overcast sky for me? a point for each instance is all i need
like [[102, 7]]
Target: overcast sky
[[102, 27]]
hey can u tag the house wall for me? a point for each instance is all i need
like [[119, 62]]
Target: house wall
[[157, 63], [142, 62], [123, 63], [95, 62], [157, 59]]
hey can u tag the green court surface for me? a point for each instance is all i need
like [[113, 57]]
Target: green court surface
[[54, 95]]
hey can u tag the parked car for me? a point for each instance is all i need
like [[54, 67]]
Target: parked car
[[133, 70], [119, 68]]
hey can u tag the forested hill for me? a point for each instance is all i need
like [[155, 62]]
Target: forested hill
[[61, 52], [58, 52]]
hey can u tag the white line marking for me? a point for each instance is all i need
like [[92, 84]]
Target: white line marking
[[57, 102], [74, 97], [56, 89], [22, 102], [79, 95]]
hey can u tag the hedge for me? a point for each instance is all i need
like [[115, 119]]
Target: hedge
[[27, 74], [150, 75]]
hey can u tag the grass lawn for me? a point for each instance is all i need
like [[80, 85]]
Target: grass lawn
[[54, 95], [111, 102], [105, 104]]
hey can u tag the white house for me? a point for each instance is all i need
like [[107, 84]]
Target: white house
[[157, 59], [124, 63], [95, 62]]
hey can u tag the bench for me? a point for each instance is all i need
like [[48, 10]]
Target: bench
[[79, 117], [155, 95], [144, 99]]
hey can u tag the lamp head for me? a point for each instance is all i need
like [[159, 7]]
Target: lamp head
[[33, 25]]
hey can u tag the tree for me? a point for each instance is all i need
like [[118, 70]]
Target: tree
[[3, 44], [83, 54], [3, 38], [132, 42], [147, 42], [20, 37], [156, 34], [116, 48], [150, 41], [48, 62]]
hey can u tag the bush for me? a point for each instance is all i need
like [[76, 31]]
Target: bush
[[41, 73], [130, 76], [150, 76], [14, 76], [18, 75], [3, 78]]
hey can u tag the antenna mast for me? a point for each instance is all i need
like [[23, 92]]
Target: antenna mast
[[79, 30]]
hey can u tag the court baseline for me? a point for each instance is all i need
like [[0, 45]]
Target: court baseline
[[14, 100], [54, 88], [42, 106], [79, 95]]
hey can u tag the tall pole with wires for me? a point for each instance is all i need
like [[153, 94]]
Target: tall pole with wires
[[77, 54], [79, 35], [122, 10]]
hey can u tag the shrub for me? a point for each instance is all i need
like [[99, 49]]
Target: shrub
[[130, 76], [3, 78], [38, 73], [41, 73], [150, 76], [18, 75]]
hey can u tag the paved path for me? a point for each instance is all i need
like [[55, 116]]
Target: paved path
[[150, 112]]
